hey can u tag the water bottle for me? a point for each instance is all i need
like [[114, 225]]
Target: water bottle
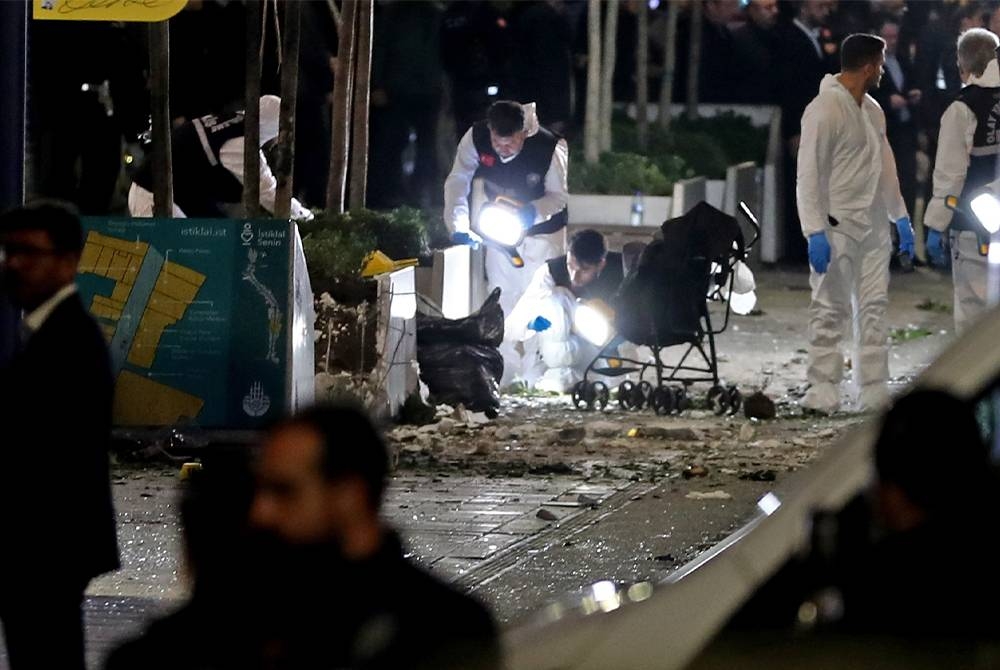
[[635, 217]]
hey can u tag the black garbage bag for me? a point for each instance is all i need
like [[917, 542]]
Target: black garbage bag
[[459, 360], [466, 374], [484, 326]]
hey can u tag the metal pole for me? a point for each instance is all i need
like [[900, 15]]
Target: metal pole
[[362, 95], [159, 71], [251, 120], [13, 82], [286, 127]]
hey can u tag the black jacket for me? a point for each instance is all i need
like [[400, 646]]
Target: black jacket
[[55, 399], [281, 607]]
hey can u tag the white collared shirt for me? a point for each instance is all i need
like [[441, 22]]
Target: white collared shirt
[[812, 34], [34, 320]]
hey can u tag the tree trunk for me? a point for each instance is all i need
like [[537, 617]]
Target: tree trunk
[[608, 73], [592, 123], [669, 63], [362, 94], [284, 173], [251, 119], [642, 76], [694, 61], [159, 82], [343, 86]]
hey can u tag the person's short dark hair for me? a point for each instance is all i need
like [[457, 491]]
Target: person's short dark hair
[[59, 219], [351, 444], [860, 49], [930, 445], [588, 247], [505, 117]]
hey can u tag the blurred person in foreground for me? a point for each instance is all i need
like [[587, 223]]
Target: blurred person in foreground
[[55, 403], [546, 309], [294, 567], [847, 190], [966, 162]]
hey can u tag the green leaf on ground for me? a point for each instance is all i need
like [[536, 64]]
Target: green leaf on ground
[[907, 334]]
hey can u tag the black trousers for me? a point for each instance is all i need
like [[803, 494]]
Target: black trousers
[[43, 622]]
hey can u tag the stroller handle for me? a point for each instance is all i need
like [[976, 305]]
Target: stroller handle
[[753, 223]]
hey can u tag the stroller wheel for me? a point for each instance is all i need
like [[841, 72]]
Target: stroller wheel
[[627, 392], [662, 400], [580, 394], [735, 399], [717, 400], [681, 400], [599, 395]]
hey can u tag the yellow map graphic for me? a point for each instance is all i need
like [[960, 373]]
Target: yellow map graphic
[[162, 290]]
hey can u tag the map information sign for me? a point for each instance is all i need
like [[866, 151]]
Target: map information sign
[[196, 313]]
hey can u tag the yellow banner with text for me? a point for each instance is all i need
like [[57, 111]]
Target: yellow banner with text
[[107, 10]]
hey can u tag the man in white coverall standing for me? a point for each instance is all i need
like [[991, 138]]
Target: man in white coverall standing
[[967, 151], [847, 187], [519, 159]]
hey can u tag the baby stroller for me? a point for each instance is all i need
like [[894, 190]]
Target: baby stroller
[[663, 303]]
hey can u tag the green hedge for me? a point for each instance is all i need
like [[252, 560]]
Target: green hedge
[[703, 147], [335, 246]]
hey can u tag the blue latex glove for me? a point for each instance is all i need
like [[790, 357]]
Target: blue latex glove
[[819, 252], [464, 238], [539, 323], [527, 214], [905, 236], [935, 248]]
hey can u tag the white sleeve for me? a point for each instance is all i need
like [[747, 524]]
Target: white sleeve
[[958, 126], [527, 307], [458, 183], [819, 127], [556, 189], [231, 157]]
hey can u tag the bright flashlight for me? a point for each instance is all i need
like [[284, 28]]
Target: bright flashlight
[[743, 303], [593, 323], [501, 224], [986, 207]]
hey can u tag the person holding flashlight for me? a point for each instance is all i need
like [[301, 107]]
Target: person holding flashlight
[[545, 312], [967, 150], [847, 189], [520, 161]]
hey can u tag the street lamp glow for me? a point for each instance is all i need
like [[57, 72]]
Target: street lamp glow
[[986, 207]]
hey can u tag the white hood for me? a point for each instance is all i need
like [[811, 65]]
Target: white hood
[[270, 111]]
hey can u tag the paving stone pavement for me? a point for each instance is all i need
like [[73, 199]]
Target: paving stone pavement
[[451, 524]]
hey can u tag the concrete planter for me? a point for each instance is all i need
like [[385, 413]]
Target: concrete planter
[[604, 210]]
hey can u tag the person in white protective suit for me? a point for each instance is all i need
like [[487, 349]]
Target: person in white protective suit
[[516, 158], [846, 188], [546, 309], [967, 151], [207, 158]]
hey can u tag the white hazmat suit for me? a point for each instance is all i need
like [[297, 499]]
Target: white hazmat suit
[[847, 175], [230, 156], [969, 268]]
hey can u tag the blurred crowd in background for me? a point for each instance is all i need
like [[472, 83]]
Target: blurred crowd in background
[[438, 65]]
